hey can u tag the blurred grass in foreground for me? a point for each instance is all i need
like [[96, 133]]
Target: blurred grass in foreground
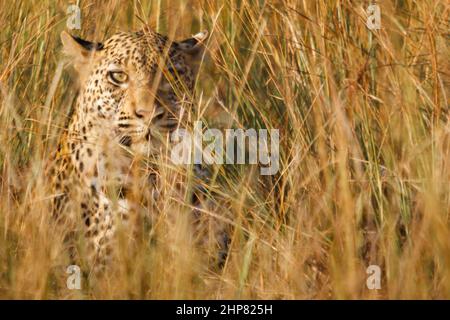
[[365, 145]]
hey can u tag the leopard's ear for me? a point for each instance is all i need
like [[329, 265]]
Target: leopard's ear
[[78, 49], [195, 45], [193, 48]]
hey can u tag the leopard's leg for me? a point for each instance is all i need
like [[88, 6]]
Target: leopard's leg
[[64, 217], [102, 216], [99, 228]]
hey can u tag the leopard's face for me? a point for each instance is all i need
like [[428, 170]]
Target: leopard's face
[[139, 83]]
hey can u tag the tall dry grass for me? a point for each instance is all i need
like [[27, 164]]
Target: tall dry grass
[[365, 145]]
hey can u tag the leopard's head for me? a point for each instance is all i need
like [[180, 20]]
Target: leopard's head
[[140, 83]]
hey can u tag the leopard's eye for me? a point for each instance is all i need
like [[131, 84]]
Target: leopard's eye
[[117, 77]]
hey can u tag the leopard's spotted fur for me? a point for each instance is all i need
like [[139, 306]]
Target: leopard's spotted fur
[[135, 89]]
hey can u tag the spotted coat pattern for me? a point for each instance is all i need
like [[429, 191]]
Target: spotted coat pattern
[[135, 88]]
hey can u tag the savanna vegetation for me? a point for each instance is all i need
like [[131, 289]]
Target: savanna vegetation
[[364, 149]]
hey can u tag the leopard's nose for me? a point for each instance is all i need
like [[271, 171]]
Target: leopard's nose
[[148, 113], [141, 113], [145, 113]]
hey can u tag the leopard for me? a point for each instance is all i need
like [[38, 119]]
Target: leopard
[[134, 90]]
